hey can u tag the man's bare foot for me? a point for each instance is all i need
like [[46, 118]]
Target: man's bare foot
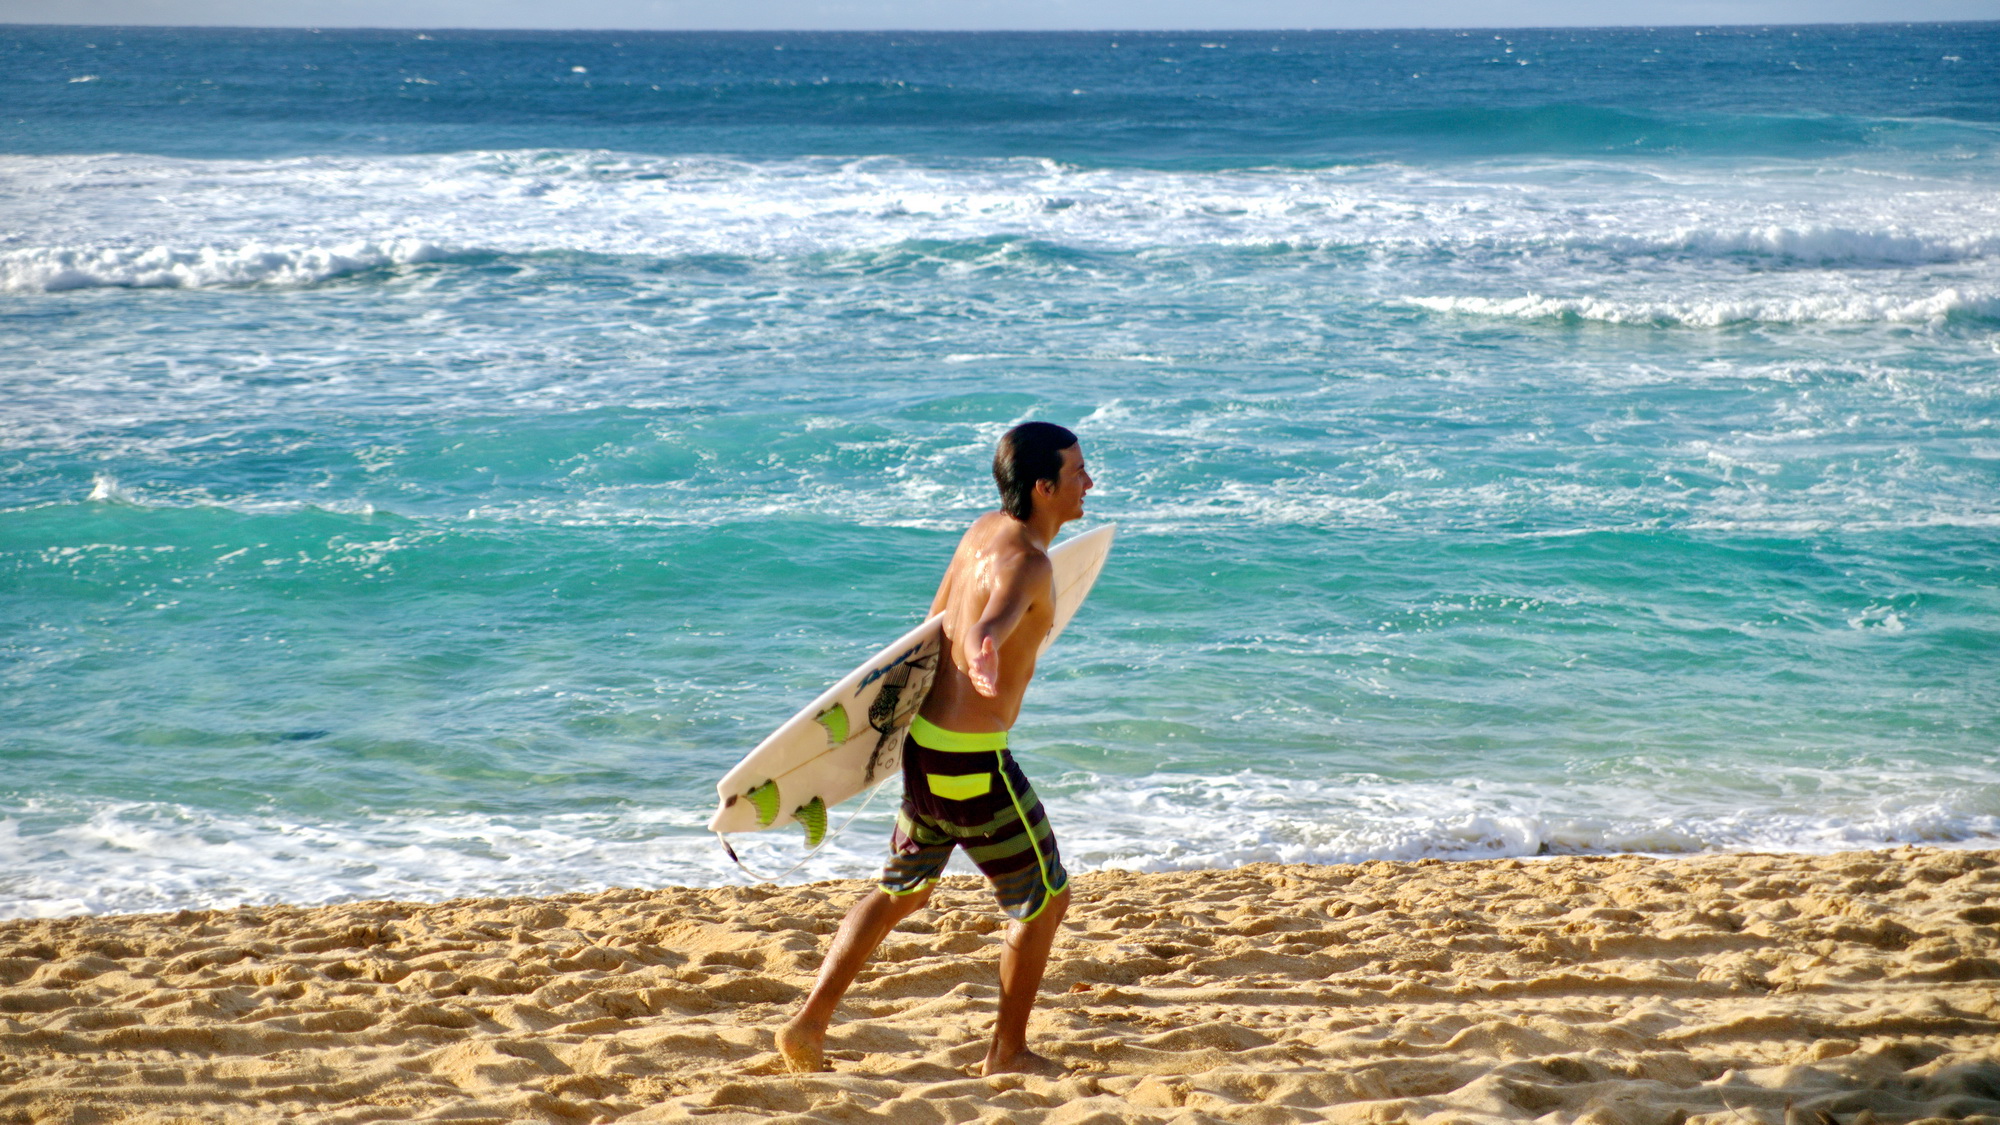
[[1024, 1061], [803, 1047]]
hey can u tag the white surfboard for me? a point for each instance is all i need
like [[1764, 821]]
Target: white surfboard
[[851, 737]]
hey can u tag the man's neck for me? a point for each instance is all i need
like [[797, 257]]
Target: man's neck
[[1041, 528]]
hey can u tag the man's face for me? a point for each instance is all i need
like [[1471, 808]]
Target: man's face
[[1066, 498]]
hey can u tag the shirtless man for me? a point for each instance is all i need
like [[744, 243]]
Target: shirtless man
[[961, 787]]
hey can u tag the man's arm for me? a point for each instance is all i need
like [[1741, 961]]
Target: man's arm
[[1012, 597]]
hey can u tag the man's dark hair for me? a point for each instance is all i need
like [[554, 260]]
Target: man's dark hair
[[1030, 452]]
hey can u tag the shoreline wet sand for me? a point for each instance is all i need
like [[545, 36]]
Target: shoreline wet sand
[[1613, 990]]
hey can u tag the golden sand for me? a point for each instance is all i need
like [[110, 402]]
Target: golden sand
[[1718, 990]]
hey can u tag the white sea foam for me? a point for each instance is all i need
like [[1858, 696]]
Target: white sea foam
[[1844, 308], [58, 858], [1169, 822], [105, 489], [123, 857], [150, 221], [1817, 243], [929, 493], [142, 267]]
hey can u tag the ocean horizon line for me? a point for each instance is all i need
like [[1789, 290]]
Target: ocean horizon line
[[1383, 29]]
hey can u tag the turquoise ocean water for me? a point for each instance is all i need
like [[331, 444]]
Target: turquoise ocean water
[[427, 461]]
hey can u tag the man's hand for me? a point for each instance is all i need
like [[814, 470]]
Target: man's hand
[[985, 669]]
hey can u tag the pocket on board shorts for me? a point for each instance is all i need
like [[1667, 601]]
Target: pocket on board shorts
[[959, 787]]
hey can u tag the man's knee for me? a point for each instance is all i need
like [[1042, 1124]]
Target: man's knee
[[1052, 910], [903, 905], [1058, 905], [880, 908]]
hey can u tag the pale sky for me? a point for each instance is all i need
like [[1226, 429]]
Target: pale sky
[[978, 15]]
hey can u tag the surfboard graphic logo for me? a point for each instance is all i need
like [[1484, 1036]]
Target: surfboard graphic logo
[[900, 661], [892, 709], [882, 711]]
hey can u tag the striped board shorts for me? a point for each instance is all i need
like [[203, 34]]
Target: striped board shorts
[[964, 790]]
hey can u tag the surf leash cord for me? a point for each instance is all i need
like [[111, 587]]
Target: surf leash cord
[[830, 838]]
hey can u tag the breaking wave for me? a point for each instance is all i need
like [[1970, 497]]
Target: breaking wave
[[1943, 305], [167, 267], [127, 857], [343, 215]]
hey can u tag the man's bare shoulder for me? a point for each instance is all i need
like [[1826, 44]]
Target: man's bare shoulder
[[985, 529], [997, 550], [1005, 545]]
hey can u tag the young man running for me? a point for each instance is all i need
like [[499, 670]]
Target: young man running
[[961, 787]]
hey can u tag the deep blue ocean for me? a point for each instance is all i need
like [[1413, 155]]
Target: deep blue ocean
[[428, 460]]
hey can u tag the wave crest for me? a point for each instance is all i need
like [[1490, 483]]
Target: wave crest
[[1810, 244], [1855, 308], [54, 269], [97, 222]]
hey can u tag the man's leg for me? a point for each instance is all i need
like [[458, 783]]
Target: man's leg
[[1022, 962], [802, 1041]]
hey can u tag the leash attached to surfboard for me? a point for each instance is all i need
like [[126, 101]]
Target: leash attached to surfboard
[[829, 838]]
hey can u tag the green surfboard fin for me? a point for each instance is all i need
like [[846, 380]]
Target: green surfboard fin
[[765, 797], [812, 814], [834, 719]]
